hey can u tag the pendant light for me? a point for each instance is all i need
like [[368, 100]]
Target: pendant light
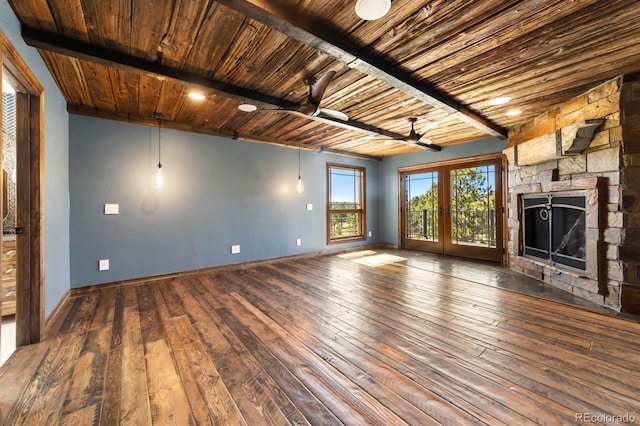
[[159, 179], [299, 186], [371, 10]]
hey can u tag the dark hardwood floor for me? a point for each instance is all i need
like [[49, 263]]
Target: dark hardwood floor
[[384, 338]]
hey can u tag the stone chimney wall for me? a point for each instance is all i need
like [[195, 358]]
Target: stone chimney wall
[[629, 249], [598, 169]]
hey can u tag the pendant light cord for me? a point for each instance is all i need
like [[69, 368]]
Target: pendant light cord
[[159, 179], [159, 136], [299, 159]]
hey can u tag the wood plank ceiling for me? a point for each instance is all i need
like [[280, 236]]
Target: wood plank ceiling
[[440, 61]]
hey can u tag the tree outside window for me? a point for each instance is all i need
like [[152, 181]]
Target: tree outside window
[[346, 203], [473, 206]]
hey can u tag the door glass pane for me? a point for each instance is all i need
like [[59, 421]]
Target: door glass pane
[[473, 206], [421, 217]]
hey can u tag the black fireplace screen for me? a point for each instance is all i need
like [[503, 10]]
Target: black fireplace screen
[[554, 228]]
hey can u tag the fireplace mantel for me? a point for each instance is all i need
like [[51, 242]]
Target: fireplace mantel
[[570, 140]]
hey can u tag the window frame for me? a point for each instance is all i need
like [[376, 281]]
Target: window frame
[[361, 212]]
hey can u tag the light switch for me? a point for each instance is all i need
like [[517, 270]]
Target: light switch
[[112, 209], [235, 249], [309, 206], [103, 265], [299, 242]]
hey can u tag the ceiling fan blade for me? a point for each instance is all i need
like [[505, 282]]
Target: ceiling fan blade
[[425, 143], [280, 110], [420, 143], [428, 145], [414, 138], [434, 124], [318, 88], [330, 113]]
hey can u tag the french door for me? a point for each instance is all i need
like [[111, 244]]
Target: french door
[[453, 209]]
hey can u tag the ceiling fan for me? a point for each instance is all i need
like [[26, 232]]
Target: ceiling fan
[[415, 138], [311, 105]]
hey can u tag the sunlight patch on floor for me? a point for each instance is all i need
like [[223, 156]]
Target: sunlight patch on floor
[[371, 258], [355, 254]]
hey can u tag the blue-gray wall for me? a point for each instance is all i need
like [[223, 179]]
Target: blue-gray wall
[[389, 177], [218, 192], [56, 174]]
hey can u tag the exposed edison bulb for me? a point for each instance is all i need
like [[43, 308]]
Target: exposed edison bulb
[[159, 179], [300, 186]]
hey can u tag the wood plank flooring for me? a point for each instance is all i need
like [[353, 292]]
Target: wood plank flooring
[[374, 338]]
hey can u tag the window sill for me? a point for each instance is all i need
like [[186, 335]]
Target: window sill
[[347, 239]]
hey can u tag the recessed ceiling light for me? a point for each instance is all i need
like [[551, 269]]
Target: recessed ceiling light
[[197, 96], [513, 112], [247, 107], [370, 10], [500, 101]]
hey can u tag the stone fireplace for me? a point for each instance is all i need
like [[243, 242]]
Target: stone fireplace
[[557, 234], [574, 196]]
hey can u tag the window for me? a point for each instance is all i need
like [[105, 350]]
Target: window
[[346, 205]]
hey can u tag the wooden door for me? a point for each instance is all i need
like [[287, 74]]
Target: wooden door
[[454, 209], [473, 222], [25, 233]]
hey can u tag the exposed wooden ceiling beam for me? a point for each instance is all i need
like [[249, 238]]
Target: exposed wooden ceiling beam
[[57, 43], [334, 44], [152, 121]]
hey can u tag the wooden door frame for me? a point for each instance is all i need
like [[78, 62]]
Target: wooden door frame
[[446, 165], [30, 244]]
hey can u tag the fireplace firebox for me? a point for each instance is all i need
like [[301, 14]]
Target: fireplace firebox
[[554, 228]]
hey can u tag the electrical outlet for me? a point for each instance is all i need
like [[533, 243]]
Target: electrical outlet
[[112, 209], [370, 234], [298, 242], [235, 249], [103, 265]]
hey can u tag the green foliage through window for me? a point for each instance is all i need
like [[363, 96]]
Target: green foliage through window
[[422, 206], [473, 206], [346, 210]]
